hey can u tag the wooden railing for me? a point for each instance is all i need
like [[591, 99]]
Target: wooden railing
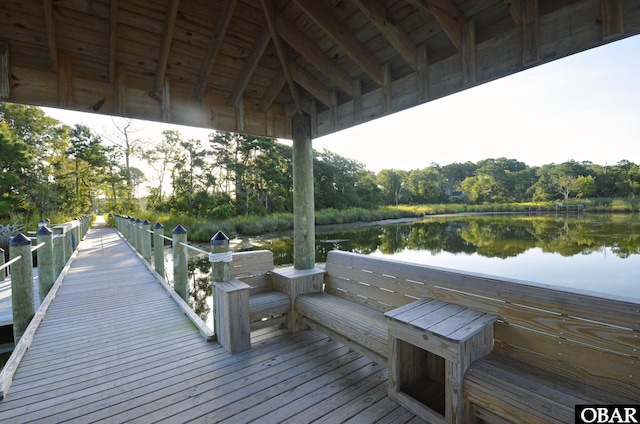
[[54, 248], [150, 245]]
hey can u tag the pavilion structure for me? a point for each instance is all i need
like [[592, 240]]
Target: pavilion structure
[[295, 69]]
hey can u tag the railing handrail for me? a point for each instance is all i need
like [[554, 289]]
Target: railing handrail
[[11, 262], [188, 246]]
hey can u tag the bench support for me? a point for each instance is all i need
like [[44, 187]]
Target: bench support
[[295, 282], [232, 315]]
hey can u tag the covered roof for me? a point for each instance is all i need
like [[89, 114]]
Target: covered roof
[[249, 65]]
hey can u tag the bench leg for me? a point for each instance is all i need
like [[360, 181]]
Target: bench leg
[[295, 282]]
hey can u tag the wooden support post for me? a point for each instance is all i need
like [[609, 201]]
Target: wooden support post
[[158, 249], [137, 227], [304, 237], [230, 299], [46, 275], [68, 243], [3, 272], [5, 85], [295, 282], [21, 284], [145, 242], [180, 263], [59, 254]]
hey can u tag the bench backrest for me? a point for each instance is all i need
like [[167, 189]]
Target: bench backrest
[[591, 338], [253, 268]]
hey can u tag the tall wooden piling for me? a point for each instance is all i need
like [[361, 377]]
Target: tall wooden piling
[[59, 254], [46, 272], [145, 240], [180, 263], [22, 297], [158, 249], [304, 236]]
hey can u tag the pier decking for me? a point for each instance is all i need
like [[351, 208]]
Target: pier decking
[[115, 347]]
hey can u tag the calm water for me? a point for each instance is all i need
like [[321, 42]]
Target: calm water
[[599, 253]]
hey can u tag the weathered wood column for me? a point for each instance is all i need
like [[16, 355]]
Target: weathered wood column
[[21, 285], [145, 240], [158, 248], [46, 275], [59, 253], [180, 263], [304, 237]]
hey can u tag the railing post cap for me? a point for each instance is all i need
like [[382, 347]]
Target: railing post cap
[[219, 239], [19, 240], [44, 231], [158, 226], [138, 221], [42, 223], [146, 222], [179, 230]]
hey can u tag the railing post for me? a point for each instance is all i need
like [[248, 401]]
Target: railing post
[[21, 284], [145, 243], [59, 255], [3, 273], [180, 263], [158, 248], [137, 225], [68, 244], [46, 276], [230, 299], [130, 231]]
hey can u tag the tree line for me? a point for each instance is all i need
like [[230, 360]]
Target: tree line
[[50, 167]]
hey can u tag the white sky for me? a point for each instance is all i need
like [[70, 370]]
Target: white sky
[[585, 107]]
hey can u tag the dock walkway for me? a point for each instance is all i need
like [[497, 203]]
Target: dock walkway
[[114, 347]]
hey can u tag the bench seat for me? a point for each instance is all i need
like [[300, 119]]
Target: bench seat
[[511, 388], [357, 326]]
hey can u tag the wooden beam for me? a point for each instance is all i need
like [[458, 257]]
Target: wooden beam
[[65, 81], [334, 109], [530, 32], [357, 100], [386, 89], [240, 117], [166, 100], [422, 74], [167, 37], [515, 10], [120, 92], [5, 86], [51, 33], [113, 40], [270, 16], [259, 46], [311, 52], [272, 92], [383, 20], [612, 19], [469, 53], [214, 47], [343, 36], [311, 84], [446, 13]]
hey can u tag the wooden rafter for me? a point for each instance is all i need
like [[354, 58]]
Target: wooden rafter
[[214, 47], [51, 33], [397, 37], [259, 46], [515, 10], [113, 40], [449, 17], [343, 36], [270, 16], [311, 84], [311, 52], [167, 37]]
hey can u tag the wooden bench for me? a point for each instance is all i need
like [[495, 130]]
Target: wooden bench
[[553, 348], [267, 306]]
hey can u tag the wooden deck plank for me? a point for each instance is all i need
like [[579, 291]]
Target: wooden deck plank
[[114, 348]]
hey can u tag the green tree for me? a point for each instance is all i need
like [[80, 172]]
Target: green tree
[[89, 159], [427, 186], [15, 163], [392, 183]]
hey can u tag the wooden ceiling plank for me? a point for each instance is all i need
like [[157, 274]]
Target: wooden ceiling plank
[[212, 52], [272, 92], [311, 52], [259, 46], [65, 81], [51, 33], [167, 38], [396, 36], [113, 40], [343, 36], [270, 15], [448, 16]]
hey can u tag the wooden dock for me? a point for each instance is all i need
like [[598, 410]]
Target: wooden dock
[[114, 347]]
